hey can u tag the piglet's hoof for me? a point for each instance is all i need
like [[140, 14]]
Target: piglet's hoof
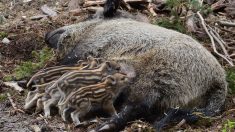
[[82, 124], [106, 127]]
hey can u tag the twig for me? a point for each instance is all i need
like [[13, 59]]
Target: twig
[[14, 85], [232, 55], [219, 42], [151, 10], [43, 118], [219, 4], [36, 128], [126, 5], [212, 39], [226, 30], [93, 3], [182, 122], [13, 104], [224, 23], [92, 8]]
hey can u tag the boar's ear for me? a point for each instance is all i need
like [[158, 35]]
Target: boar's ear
[[52, 37], [110, 7]]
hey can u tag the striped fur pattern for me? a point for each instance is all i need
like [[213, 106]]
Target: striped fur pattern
[[101, 94], [74, 80], [45, 78], [78, 77]]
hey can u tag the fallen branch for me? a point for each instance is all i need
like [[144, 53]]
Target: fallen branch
[[101, 2], [232, 55], [151, 9], [48, 11], [181, 123], [137, 1], [125, 5], [13, 104], [224, 23], [43, 118], [212, 39], [92, 9], [219, 40], [36, 128], [14, 85], [218, 5], [93, 3]]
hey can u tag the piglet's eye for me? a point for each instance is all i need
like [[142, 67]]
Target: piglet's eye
[[123, 78], [118, 68]]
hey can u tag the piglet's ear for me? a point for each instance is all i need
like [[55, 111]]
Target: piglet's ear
[[108, 64], [111, 80]]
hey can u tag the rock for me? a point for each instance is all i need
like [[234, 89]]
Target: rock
[[2, 19], [26, 1], [48, 11], [6, 41], [24, 17], [38, 17], [75, 12], [74, 4]]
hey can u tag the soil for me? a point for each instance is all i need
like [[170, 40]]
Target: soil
[[27, 35]]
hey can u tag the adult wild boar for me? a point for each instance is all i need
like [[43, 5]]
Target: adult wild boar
[[169, 69]]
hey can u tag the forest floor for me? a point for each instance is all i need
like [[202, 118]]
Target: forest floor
[[26, 34]]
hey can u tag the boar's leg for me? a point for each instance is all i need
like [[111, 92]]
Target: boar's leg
[[110, 7], [129, 113], [175, 115], [216, 99]]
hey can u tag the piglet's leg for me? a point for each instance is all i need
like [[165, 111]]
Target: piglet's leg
[[82, 110], [75, 117], [48, 104], [31, 99], [39, 106], [110, 108]]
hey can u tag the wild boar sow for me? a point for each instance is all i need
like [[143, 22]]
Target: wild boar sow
[[169, 69]]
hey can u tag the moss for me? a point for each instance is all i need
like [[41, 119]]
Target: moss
[[27, 68], [3, 97], [3, 35], [7, 78], [231, 79], [228, 126], [175, 6], [175, 24]]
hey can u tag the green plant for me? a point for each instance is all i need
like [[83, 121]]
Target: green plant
[[27, 68], [7, 78], [175, 5], [229, 126], [3, 35], [231, 79], [194, 5], [175, 24], [3, 97]]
